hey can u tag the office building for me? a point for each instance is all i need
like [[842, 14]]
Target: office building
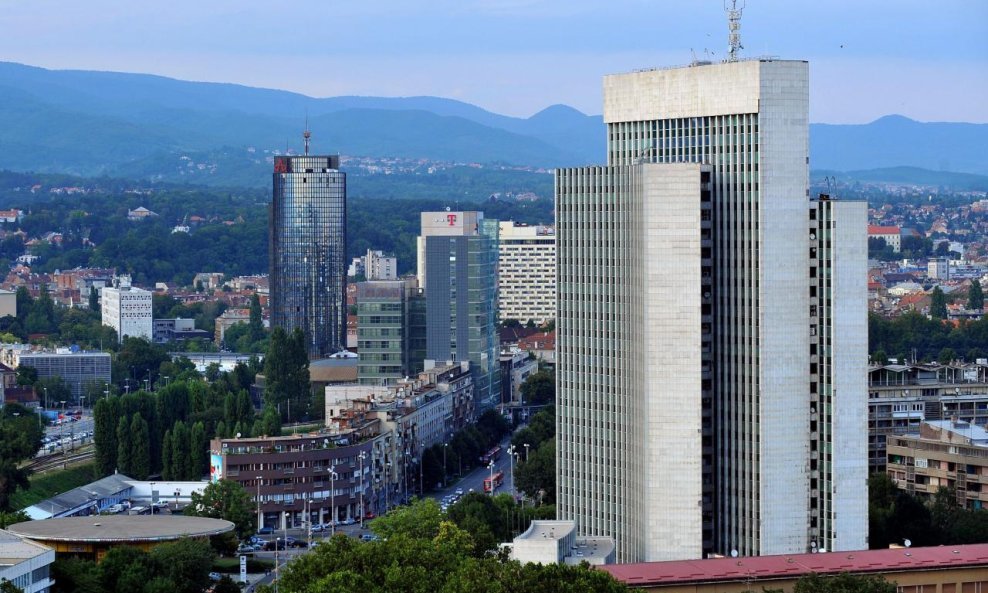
[[526, 272], [376, 265], [82, 372], [689, 376], [390, 330], [127, 309], [457, 268], [308, 250]]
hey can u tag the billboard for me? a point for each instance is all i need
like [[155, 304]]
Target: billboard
[[215, 467]]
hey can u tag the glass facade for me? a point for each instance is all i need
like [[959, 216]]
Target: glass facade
[[390, 331], [308, 251]]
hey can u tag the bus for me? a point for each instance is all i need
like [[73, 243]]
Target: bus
[[491, 484], [491, 455]]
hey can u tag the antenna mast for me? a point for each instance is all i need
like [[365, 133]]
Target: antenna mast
[[306, 134], [734, 26]]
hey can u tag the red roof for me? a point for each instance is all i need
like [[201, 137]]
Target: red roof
[[678, 572], [882, 230]]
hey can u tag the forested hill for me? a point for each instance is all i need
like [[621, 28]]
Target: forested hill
[[156, 128]]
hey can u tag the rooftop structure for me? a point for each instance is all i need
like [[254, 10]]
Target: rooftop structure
[[933, 568], [93, 536], [556, 542]]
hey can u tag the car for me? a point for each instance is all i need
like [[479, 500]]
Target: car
[[348, 521], [215, 576], [246, 549], [267, 530], [317, 527], [277, 544], [258, 542], [115, 508], [159, 505], [459, 491]]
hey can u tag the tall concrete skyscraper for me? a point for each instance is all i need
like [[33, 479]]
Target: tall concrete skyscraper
[[700, 410], [457, 268], [308, 250]]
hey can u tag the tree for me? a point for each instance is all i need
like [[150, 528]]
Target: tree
[[123, 446], [938, 304], [226, 585], [20, 439], [256, 325], [105, 418], [225, 499], [539, 389], [9, 518], [537, 476], [93, 299], [198, 450], [125, 568], [167, 466], [181, 457], [420, 519], [140, 448], [286, 373], [186, 563], [9, 587], [976, 296]]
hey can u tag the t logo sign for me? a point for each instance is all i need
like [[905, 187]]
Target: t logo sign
[[451, 218]]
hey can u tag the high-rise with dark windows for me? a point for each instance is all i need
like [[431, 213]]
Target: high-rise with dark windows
[[308, 250]]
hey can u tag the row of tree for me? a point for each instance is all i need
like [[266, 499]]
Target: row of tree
[[168, 430], [535, 475], [464, 450], [928, 339]]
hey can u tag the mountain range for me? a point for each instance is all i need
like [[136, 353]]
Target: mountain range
[[96, 123]]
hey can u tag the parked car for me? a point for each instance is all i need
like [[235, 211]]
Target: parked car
[[369, 537], [215, 576], [348, 521], [268, 530], [459, 491], [317, 527], [246, 549]]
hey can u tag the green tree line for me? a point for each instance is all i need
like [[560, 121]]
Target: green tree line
[[930, 339]]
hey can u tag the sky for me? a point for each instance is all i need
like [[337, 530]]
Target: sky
[[925, 59]]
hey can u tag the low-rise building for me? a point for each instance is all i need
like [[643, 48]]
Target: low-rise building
[[80, 371], [516, 366], [890, 234], [902, 396], [26, 564], [127, 309], [177, 330], [913, 570], [946, 453]]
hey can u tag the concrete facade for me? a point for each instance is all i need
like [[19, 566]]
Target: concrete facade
[[26, 564], [526, 273], [127, 309], [692, 249]]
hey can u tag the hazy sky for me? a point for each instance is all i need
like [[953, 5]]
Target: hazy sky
[[926, 59]]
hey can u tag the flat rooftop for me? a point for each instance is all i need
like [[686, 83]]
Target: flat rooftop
[[120, 528], [542, 529]]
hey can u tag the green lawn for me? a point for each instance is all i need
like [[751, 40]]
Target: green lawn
[[53, 482], [232, 565], [287, 431]]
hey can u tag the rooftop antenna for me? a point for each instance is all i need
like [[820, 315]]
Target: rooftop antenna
[[734, 26], [306, 135]]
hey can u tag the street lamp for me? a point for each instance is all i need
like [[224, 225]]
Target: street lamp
[[61, 427], [387, 486], [526, 452], [490, 466], [152, 499], [260, 519], [511, 467], [444, 464], [82, 399]]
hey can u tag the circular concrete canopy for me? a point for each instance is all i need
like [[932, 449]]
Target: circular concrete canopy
[[120, 528]]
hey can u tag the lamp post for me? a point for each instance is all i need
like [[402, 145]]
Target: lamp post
[[82, 399], [511, 467], [332, 500], [46, 399], [526, 452], [421, 481], [260, 519], [490, 466], [277, 545], [152, 499], [61, 427], [444, 464], [362, 456], [387, 486]]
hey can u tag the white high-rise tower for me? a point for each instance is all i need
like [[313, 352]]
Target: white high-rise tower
[[690, 409]]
